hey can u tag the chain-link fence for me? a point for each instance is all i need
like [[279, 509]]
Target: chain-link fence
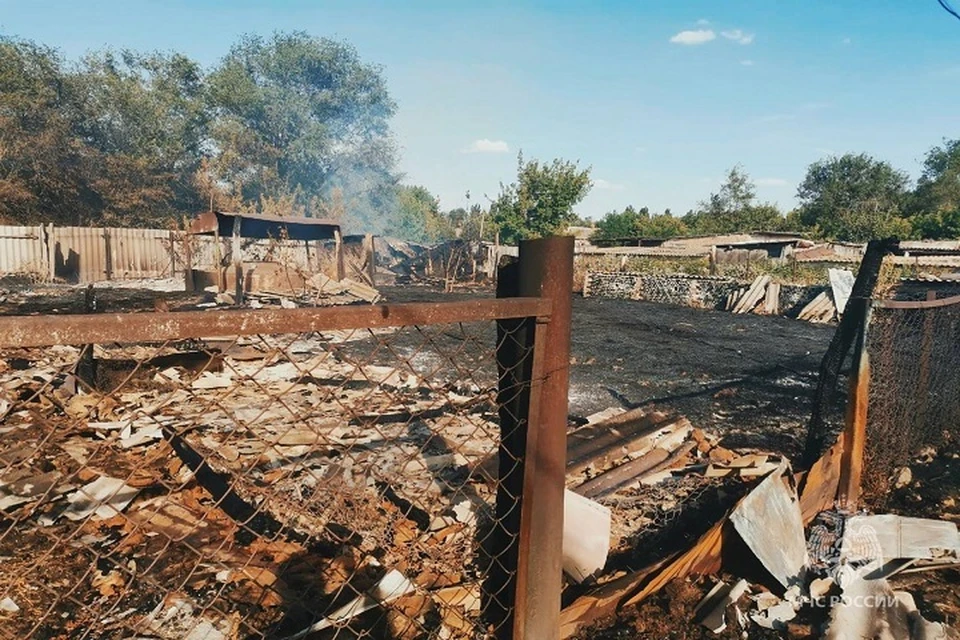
[[914, 393], [293, 473]]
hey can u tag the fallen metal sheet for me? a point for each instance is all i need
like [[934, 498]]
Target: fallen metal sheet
[[105, 497], [841, 282], [586, 536], [768, 520], [892, 537]]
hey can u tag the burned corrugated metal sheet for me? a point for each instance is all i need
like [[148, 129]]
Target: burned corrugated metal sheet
[[79, 253], [22, 250], [144, 253]]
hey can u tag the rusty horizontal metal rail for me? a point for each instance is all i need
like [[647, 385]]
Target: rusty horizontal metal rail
[[917, 304], [42, 331]]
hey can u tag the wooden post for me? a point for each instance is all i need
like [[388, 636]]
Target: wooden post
[[338, 253], [107, 254], [237, 250], [839, 346], [855, 432], [546, 270], [218, 260], [370, 255], [51, 251], [188, 282]]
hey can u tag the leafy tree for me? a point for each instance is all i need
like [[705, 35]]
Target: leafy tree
[[144, 118], [935, 204], [418, 217], [541, 201], [734, 208], [663, 225], [617, 226], [297, 112], [631, 223], [42, 162], [853, 198]]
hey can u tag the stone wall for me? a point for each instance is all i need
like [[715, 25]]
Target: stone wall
[[703, 292]]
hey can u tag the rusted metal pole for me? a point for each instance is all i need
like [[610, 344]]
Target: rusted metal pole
[[46, 330], [855, 434], [546, 270], [515, 356]]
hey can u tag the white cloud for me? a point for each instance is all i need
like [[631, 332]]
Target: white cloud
[[747, 63], [703, 22], [693, 37], [606, 185], [846, 41], [484, 145], [738, 35], [771, 182]]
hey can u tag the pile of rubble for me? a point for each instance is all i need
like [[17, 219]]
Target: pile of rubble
[[793, 562], [245, 487]]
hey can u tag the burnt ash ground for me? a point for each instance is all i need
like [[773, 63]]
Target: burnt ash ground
[[746, 378]]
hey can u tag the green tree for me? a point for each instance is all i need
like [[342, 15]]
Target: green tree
[[418, 217], [663, 225], [617, 226], [144, 118], [42, 162], [935, 203], [541, 201], [734, 208], [853, 197], [297, 114]]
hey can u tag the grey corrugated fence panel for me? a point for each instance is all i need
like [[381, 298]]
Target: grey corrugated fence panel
[[80, 253], [22, 250], [144, 253]]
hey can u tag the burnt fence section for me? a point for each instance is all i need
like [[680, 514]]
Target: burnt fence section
[[306, 473], [914, 398]]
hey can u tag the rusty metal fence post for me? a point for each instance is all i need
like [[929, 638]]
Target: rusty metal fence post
[[855, 433], [533, 444]]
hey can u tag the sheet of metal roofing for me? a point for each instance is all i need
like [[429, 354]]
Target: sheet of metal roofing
[[22, 250]]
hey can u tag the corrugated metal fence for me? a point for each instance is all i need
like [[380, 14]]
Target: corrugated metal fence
[[89, 254]]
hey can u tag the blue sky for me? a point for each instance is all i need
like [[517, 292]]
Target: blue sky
[[659, 97]]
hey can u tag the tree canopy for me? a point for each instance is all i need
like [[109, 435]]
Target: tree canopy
[[541, 201], [119, 137], [854, 198]]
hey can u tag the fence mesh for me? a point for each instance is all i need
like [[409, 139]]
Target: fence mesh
[[337, 484], [914, 387]]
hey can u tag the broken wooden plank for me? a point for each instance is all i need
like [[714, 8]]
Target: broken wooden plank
[[604, 442], [771, 303], [754, 294], [629, 472]]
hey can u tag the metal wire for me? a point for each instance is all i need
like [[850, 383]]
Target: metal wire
[[262, 486]]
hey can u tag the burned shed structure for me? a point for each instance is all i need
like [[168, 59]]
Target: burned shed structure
[[269, 253]]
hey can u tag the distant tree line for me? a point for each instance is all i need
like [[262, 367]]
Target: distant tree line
[[852, 197], [290, 124]]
